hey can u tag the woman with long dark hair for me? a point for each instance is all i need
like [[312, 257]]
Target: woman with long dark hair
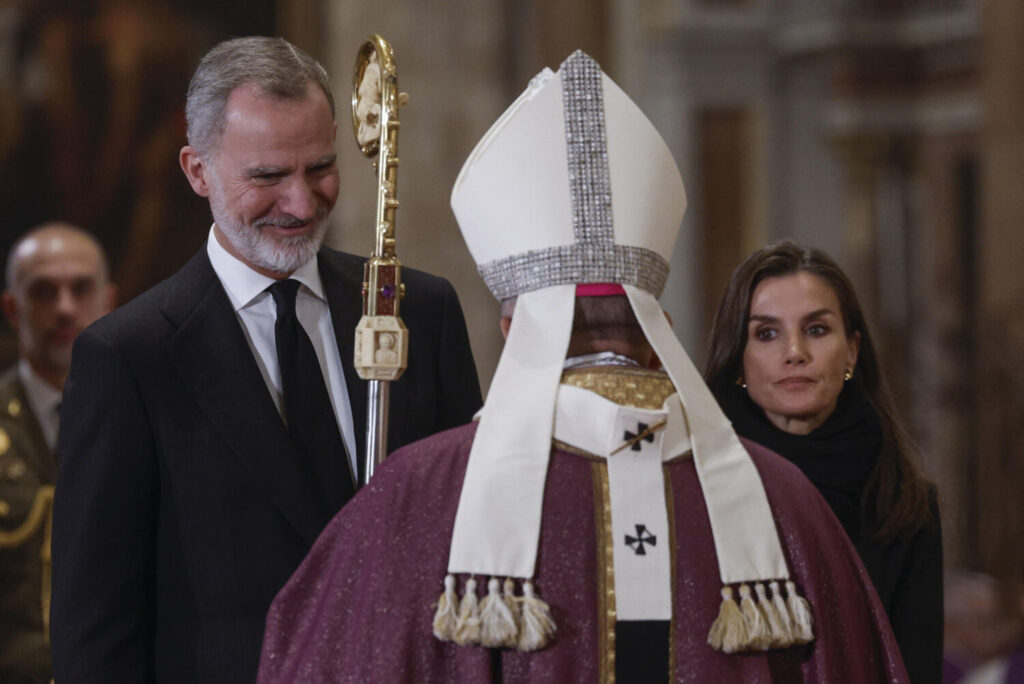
[[792, 364]]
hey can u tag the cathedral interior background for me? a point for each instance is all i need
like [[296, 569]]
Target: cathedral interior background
[[888, 132]]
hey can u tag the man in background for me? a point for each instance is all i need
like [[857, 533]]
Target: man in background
[[213, 425], [56, 285]]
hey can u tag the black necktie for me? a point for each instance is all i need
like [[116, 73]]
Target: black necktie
[[307, 406]]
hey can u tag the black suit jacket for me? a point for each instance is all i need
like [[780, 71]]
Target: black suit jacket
[[180, 511]]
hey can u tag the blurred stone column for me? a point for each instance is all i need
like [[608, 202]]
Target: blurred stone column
[[1000, 444], [905, 116], [878, 223]]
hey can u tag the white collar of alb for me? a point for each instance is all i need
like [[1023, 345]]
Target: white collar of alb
[[591, 423], [604, 358]]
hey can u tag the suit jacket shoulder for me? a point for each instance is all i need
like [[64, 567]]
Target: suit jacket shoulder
[[145, 319]]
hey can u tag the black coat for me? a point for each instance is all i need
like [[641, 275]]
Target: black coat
[[180, 510], [907, 574]]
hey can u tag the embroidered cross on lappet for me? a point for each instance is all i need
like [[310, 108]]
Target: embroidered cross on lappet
[[643, 433], [643, 536]]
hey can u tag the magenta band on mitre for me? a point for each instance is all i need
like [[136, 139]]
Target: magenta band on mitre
[[599, 290]]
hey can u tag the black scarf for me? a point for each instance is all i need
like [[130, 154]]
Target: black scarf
[[838, 456]]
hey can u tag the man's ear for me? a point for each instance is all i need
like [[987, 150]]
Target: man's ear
[[10, 308], [195, 170], [505, 324]]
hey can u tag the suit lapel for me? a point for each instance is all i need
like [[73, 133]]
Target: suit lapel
[[214, 360], [342, 281]]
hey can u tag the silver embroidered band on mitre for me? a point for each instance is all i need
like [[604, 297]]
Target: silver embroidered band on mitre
[[594, 257]]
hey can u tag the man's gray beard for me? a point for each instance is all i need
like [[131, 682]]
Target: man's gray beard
[[284, 256]]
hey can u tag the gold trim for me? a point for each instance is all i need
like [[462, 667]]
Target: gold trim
[[388, 80], [14, 408], [624, 385], [605, 575], [672, 626], [5, 441], [41, 514], [562, 446], [16, 469], [42, 507]]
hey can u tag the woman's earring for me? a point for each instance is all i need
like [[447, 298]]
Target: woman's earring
[[739, 382], [847, 375]]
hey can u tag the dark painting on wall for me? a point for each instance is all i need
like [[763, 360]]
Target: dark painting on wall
[[91, 120]]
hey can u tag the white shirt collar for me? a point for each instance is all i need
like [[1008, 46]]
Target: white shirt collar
[[42, 396], [243, 285]]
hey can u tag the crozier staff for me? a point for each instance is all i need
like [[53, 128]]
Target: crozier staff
[[794, 368], [382, 340]]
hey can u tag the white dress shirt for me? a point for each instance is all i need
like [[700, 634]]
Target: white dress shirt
[[254, 306], [44, 400]]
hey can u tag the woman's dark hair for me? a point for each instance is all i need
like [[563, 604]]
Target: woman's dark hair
[[897, 487]]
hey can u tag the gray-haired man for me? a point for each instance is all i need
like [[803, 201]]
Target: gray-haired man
[[190, 485]]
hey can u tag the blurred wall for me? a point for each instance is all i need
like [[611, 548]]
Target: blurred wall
[[92, 99], [887, 132], [999, 449], [853, 126]]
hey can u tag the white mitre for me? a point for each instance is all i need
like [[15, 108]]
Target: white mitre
[[573, 185]]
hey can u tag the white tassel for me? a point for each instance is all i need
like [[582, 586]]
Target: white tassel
[[467, 627], [536, 624], [728, 632], [444, 617], [757, 629], [777, 634], [497, 625], [800, 612], [783, 612], [509, 596]]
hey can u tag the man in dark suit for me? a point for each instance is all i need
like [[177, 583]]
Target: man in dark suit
[[187, 494]]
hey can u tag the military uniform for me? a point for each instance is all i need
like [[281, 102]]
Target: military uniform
[[28, 470]]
